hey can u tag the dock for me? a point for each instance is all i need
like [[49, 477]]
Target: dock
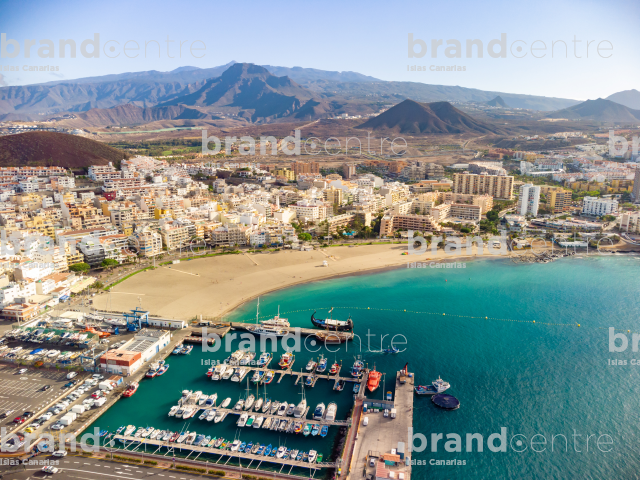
[[227, 411], [299, 375], [303, 331], [132, 444]]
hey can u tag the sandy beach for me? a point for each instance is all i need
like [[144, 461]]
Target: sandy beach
[[215, 286]]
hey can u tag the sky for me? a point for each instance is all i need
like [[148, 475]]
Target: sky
[[369, 37]]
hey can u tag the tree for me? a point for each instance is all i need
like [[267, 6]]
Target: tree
[[304, 236], [492, 216], [80, 267], [109, 262]]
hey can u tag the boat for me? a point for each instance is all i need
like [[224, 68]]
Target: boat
[[311, 364], [299, 456], [219, 417], [218, 371], [235, 445], [206, 441], [189, 412], [335, 368], [203, 415], [330, 414], [297, 428], [177, 349], [268, 450], [312, 456], [324, 430], [153, 370], [264, 359], [247, 358], [210, 371], [309, 381], [287, 360], [426, 390], [307, 429], [315, 429], [219, 442], [291, 409], [173, 410], [318, 413], [179, 412], [198, 440], [163, 368], [255, 448], [248, 448], [266, 406], [373, 381], [120, 429], [182, 437], [282, 409], [339, 386], [261, 450], [203, 399], [329, 337], [250, 421], [211, 414], [258, 404], [391, 350], [226, 403], [147, 432], [267, 423], [322, 365], [301, 408], [186, 350], [235, 357], [331, 324], [249, 402], [212, 442], [268, 330], [294, 454], [283, 425], [257, 376], [129, 430], [269, 376], [243, 445], [319, 460], [440, 385], [211, 400], [167, 436], [259, 421], [357, 368], [276, 321], [130, 390], [356, 388], [239, 404], [280, 452]]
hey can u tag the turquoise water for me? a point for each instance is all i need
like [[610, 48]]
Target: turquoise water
[[549, 378]]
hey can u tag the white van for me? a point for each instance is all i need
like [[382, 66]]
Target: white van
[[365, 422]]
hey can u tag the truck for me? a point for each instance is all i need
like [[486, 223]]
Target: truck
[[393, 413], [78, 409]]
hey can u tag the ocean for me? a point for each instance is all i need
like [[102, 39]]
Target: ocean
[[524, 347]]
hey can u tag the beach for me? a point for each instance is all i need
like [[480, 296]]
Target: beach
[[214, 286]]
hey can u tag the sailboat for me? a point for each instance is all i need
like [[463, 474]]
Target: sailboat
[[301, 408], [267, 329]]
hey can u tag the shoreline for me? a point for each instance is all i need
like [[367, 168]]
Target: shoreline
[[217, 286]]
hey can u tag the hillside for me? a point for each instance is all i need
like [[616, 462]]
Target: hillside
[[250, 90], [439, 117], [628, 98], [59, 149], [600, 110], [132, 115], [497, 102]]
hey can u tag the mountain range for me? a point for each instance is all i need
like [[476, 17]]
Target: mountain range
[[329, 91], [601, 110], [412, 117]]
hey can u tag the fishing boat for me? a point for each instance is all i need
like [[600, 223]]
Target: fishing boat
[[307, 429], [130, 390], [248, 448], [264, 359], [356, 388], [250, 421], [311, 364], [163, 368], [210, 371], [218, 443], [373, 381], [331, 324], [280, 452], [173, 410], [268, 450], [324, 430], [335, 368], [120, 429], [322, 364], [186, 350], [297, 428], [440, 385], [243, 445], [287, 360], [315, 429], [318, 413], [319, 460], [177, 349], [269, 376], [312, 456], [255, 448], [309, 381], [391, 350], [203, 415], [357, 368], [153, 370], [226, 403], [257, 376]]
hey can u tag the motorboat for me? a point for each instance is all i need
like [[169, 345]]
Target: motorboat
[[322, 365], [250, 420], [315, 429], [275, 405], [330, 414], [268, 378], [242, 421], [226, 402], [173, 410], [373, 380], [239, 404], [219, 417], [440, 385], [211, 415], [286, 361], [218, 371], [266, 406], [318, 413], [311, 364], [357, 368], [264, 359], [291, 409], [282, 409], [259, 421]]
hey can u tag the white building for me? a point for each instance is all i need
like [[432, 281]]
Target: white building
[[599, 206], [529, 200]]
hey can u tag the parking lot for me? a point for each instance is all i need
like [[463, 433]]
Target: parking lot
[[25, 392]]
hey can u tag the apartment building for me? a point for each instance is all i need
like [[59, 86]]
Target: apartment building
[[498, 186], [599, 206], [558, 199], [100, 173], [636, 186], [174, 235], [148, 243], [419, 223], [301, 168], [231, 234], [528, 200]]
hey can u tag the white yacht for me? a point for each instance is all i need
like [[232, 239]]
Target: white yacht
[[226, 403], [218, 371], [249, 402], [276, 321], [243, 420], [211, 415], [301, 408], [173, 410], [330, 414]]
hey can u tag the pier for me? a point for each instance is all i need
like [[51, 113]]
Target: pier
[[133, 444], [303, 331]]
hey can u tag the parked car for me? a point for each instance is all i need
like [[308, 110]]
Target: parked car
[[46, 387], [57, 426], [59, 453], [19, 420], [50, 469], [23, 370], [6, 414], [70, 375]]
